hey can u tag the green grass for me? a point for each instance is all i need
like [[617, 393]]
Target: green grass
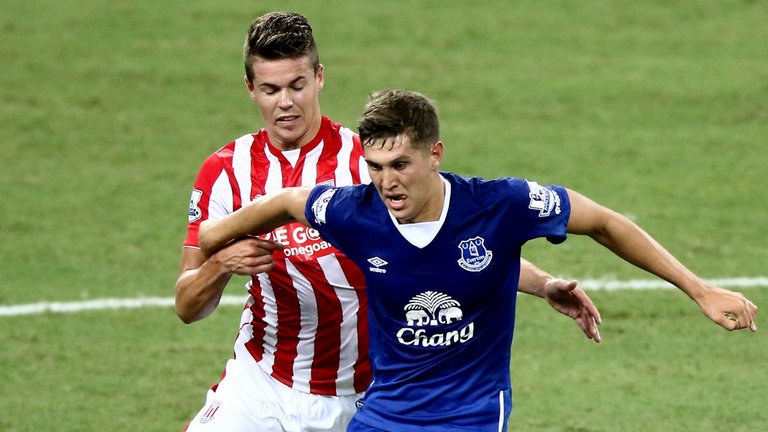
[[656, 109], [661, 366]]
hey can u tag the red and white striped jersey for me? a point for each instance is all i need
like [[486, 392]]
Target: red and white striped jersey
[[305, 322]]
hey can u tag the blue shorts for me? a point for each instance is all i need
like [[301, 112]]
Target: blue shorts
[[356, 426]]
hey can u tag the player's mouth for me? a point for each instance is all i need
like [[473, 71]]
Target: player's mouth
[[396, 201], [287, 119]]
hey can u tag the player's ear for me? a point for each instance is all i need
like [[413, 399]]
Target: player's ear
[[320, 78], [251, 89], [436, 153]]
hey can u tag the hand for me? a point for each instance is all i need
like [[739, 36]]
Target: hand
[[729, 309], [569, 300], [247, 256]]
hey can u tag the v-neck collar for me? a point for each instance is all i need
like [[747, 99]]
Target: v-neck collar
[[421, 234], [294, 157]]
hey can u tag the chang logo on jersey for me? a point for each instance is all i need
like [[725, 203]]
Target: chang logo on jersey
[[429, 310], [194, 205], [474, 256], [543, 199], [321, 205]]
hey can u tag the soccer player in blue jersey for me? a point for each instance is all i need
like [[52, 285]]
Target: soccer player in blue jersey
[[441, 257]]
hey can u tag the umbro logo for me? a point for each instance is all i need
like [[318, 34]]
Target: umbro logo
[[377, 264]]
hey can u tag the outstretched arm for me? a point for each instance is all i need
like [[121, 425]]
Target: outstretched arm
[[258, 217], [564, 296], [729, 309]]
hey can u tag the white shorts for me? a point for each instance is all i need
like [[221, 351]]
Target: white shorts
[[248, 399]]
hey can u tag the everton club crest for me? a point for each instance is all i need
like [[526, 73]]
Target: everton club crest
[[474, 256]]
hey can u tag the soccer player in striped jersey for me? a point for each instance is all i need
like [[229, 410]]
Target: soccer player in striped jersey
[[301, 354], [441, 256]]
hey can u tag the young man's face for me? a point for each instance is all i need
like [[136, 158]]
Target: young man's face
[[287, 92], [407, 179]]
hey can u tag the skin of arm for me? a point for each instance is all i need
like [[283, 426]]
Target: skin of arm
[[202, 279], [286, 206], [729, 309], [564, 296], [257, 217]]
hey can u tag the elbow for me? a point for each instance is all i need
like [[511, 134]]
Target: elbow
[[183, 308], [186, 319], [183, 312], [613, 227]]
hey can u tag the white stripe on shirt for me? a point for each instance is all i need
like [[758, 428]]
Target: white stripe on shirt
[[241, 165]]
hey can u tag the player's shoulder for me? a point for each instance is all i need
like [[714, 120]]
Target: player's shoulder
[[341, 194], [338, 129], [482, 188], [343, 201], [226, 153]]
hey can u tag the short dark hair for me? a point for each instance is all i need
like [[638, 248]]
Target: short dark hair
[[392, 112], [276, 36]]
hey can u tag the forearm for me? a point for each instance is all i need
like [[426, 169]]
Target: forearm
[[630, 242], [532, 279], [200, 284], [258, 217], [199, 290], [634, 245]]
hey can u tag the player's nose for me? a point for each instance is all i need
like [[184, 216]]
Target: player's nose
[[388, 179], [285, 100]]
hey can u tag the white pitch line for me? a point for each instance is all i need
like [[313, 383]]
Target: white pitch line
[[613, 285], [102, 304], [129, 303]]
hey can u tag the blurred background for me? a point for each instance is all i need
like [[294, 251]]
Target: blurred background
[[656, 109]]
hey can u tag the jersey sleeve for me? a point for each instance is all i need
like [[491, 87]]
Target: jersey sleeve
[[331, 211], [211, 198], [541, 211]]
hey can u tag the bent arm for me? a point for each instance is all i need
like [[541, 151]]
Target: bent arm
[[258, 217], [630, 242], [627, 240], [202, 280], [199, 286]]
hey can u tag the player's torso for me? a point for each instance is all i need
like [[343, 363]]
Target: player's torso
[[315, 293], [442, 316]]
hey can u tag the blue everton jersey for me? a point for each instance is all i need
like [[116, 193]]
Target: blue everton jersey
[[441, 316]]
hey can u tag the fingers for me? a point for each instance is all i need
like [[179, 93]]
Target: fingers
[[586, 303], [565, 297], [258, 242], [248, 256], [741, 316], [589, 327], [251, 266], [744, 318]]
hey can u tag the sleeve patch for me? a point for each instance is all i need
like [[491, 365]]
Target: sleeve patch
[[543, 199], [320, 205], [194, 206]]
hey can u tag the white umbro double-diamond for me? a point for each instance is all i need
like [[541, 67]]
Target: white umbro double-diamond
[[377, 264]]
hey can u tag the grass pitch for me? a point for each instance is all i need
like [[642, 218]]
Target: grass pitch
[[655, 109]]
